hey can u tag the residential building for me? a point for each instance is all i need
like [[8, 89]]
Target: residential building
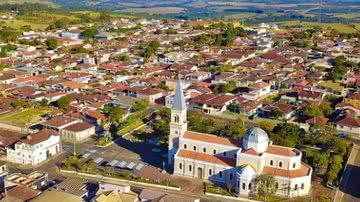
[[77, 132], [35, 148]]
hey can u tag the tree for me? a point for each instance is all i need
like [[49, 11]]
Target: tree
[[89, 33], [312, 110], [116, 114], [320, 161], [266, 125], [266, 186], [326, 109], [335, 167], [104, 16], [234, 130], [276, 113], [123, 58], [287, 134], [52, 44], [63, 102], [320, 134], [140, 105]]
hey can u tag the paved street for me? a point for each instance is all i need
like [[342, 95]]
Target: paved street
[[350, 183]]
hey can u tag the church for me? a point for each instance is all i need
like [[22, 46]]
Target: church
[[236, 162]]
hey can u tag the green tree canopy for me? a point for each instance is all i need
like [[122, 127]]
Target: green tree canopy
[[52, 44], [140, 105], [63, 102], [90, 33], [266, 186], [287, 134], [116, 114]]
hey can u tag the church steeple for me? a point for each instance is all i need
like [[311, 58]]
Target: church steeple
[[178, 123], [179, 99]]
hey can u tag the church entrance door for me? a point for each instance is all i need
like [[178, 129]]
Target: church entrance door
[[200, 173]]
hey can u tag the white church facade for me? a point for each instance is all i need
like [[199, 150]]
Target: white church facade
[[236, 162]]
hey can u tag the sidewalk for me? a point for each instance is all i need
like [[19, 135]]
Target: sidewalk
[[347, 172]]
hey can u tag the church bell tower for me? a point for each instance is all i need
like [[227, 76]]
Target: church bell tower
[[178, 123]]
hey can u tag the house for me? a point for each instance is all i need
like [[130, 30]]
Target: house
[[111, 192], [148, 94], [147, 195], [21, 193], [35, 180], [72, 34], [318, 120], [310, 96], [233, 161], [77, 132], [349, 125], [35, 148], [287, 110], [60, 122], [257, 91], [210, 103]]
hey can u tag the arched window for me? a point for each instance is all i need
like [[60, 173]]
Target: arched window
[[180, 166], [220, 174], [224, 153], [302, 185], [243, 186], [204, 149], [185, 146], [194, 148], [231, 176], [177, 118], [276, 185], [214, 151], [294, 165], [210, 172], [296, 187], [190, 168], [250, 186], [271, 162], [280, 164]]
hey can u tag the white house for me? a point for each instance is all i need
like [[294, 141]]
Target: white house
[[36, 148], [77, 132]]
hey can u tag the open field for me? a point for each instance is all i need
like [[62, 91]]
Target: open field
[[260, 5], [154, 10], [341, 27], [26, 1], [25, 117], [37, 20]]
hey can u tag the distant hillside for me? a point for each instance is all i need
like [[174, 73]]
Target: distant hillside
[[247, 11]]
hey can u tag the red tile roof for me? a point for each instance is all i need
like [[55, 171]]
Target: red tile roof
[[23, 193], [318, 120], [78, 127], [59, 121], [206, 157], [211, 139], [39, 137], [302, 172], [282, 151], [349, 121]]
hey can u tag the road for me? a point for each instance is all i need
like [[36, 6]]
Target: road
[[349, 190]]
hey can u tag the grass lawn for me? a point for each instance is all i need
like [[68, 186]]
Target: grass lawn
[[25, 117], [214, 189], [331, 85], [232, 115]]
